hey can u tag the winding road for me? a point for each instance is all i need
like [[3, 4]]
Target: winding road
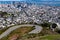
[[36, 30], [8, 31]]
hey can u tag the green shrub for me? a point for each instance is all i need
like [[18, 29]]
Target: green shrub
[[45, 25]]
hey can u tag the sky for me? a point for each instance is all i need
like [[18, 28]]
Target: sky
[[30, 0], [10, 0]]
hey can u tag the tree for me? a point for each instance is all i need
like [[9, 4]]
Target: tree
[[4, 15], [45, 25], [54, 25], [12, 17]]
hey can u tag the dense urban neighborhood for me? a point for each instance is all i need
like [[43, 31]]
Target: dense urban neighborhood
[[24, 14], [11, 14]]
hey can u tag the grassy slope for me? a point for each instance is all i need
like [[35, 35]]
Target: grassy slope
[[4, 29], [50, 37], [20, 31], [45, 34], [40, 36]]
